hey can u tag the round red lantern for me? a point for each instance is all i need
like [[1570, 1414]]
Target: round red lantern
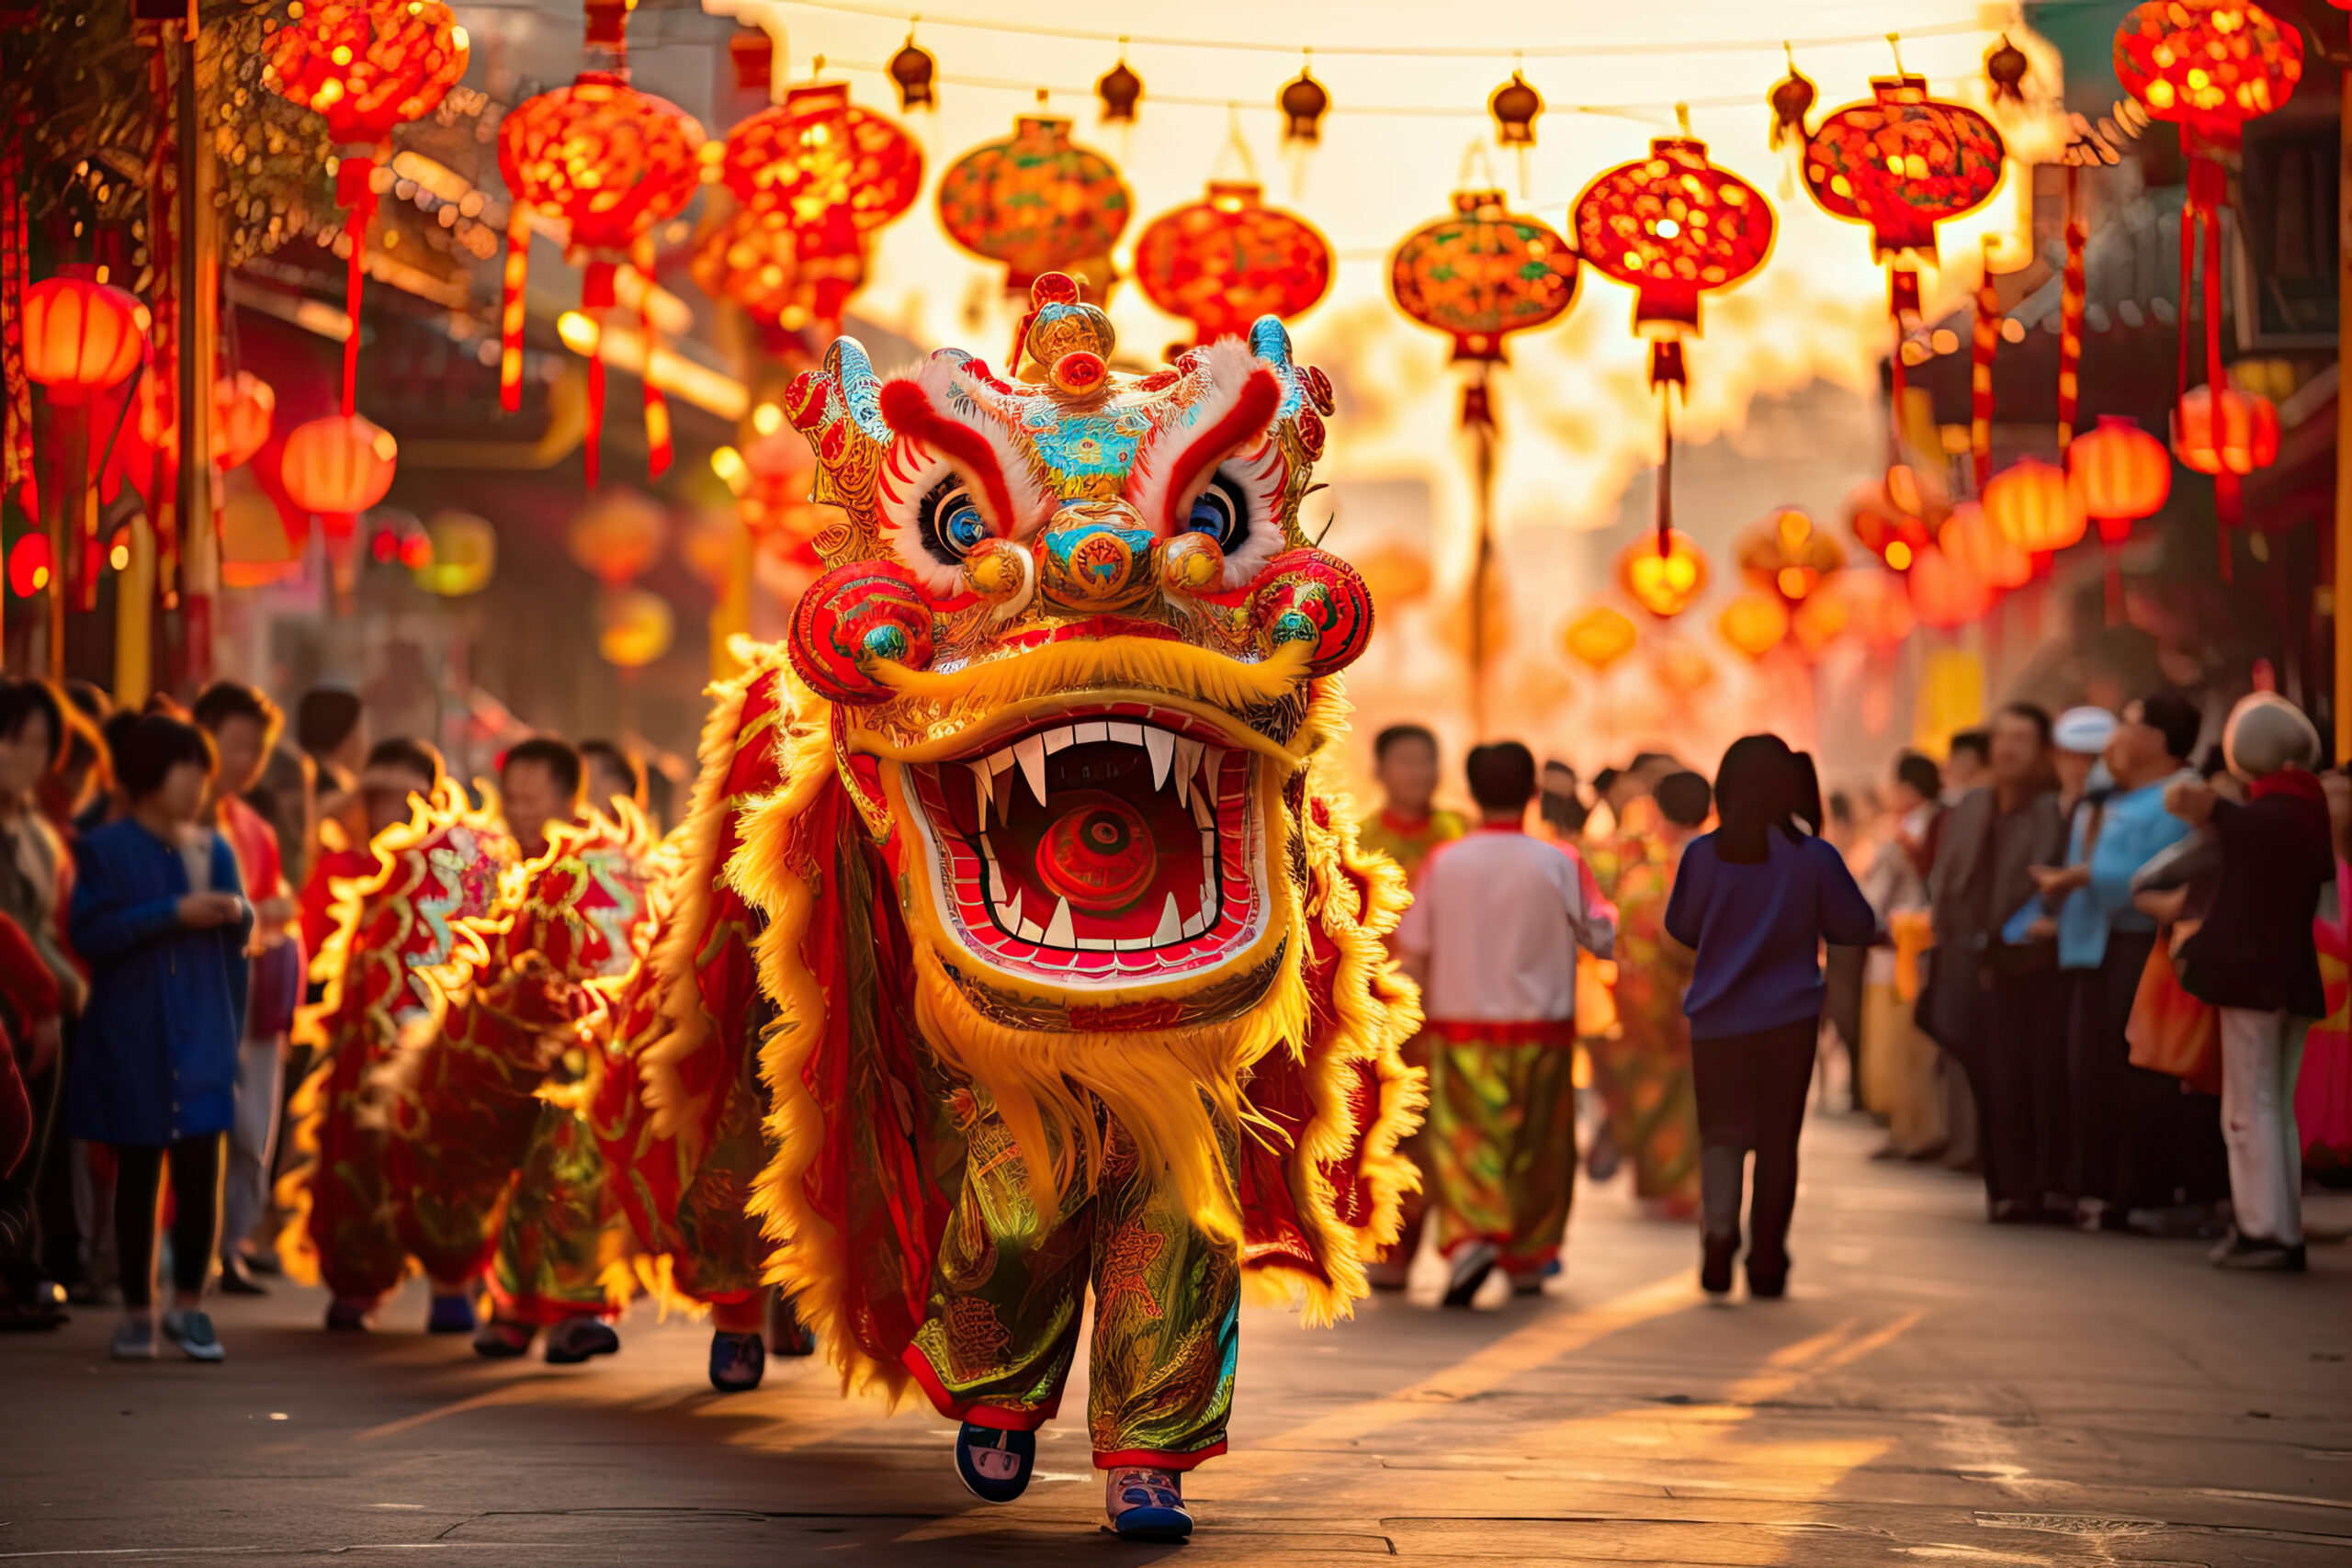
[[1944, 592], [80, 337], [817, 153], [368, 66], [1971, 539], [2120, 474], [1871, 603], [1223, 261], [1663, 583], [1482, 274], [752, 256], [1755, 623], [1669, 227], [28, 565], [245, 407], [612, 162], [2208, 66], [1037, 202], [619, 535], [338, 467], [2236, 433], [1889, 517], [1599, 638], [2030, 502]]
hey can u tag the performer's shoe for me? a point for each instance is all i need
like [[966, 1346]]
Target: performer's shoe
[[450, 1314], [499, 1340], [191, 1332], [350, 1318], [237, 1278], [787, 1336], [737, 1361], [1467, 1269], [1716, 1255], [1147, 1505], [1766, 1280], [575, 1340], [995, 1465]]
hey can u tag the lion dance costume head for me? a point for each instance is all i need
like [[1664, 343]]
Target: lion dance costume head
[[1034, 809]]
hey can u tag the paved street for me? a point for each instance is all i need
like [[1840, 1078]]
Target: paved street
[[1933, 1390]]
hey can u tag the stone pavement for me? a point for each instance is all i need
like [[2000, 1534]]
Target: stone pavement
[[1934, 1389]]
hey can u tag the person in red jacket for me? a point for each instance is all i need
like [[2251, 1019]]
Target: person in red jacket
[[28, 1007]]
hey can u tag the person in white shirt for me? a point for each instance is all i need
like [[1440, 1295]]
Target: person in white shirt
[[1492, 936]]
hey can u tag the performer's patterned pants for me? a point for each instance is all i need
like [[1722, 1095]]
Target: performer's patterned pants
[[1009, 1287], [1502, 1145], [561, 1232]]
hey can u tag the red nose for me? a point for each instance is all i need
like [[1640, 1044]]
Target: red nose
[[852, 620], [1306, 597]]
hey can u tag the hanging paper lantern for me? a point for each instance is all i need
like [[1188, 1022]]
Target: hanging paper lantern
[[461, 557], [1971, 539], [1902, 163], [28, 565], [752, 256], [1754, 623], [1889, 517], [617, 536], [255, 550], [338, 466], [2120, 474], [611, 163], [1670, 227], [368, 66], [80, 337], [1665, 583], [1037, 202], [1222, 261], [1871, 604], [1482, 274], [245, 407], [2233, 433], [2005, 68], [2032, 504], [824, 159], [1515, 106], [1121, 90], [752, 53], [1599, 638], [912, 70], [1303, 104], [1787, 554], [634, 627], [1944, 592]]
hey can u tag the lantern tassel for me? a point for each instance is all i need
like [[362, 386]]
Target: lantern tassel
[[1984, 339], [2228, 495], [355, 188], [1666, 459], [1902, 295], [509, 308], [2072, 293], [597, 301], [658, 445], [18, 467]]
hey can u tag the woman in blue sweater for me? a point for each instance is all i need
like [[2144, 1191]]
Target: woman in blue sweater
[[1755, 899], [160, 916]]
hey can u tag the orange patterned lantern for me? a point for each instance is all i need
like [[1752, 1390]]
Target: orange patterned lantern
[[1037, 202], [81, 337], [1944, 592], [1902, 163], [611, 163], [1664, 584], [1599, 638], [1228, 259], [1971, 539], [2030, 502], [338, 467], [1755, 623], [2233, 433], [1482, 274], [1787, 554], [245, 407]]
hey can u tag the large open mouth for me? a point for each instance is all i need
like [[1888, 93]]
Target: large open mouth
[[1115, 844]]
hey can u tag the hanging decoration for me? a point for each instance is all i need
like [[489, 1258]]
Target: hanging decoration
[[1599, 638], [1984, 343], [1670, 227], [1792, 99], [1755, 623], [752, 53], [2208, 66], [2227, 436], [611, 163], [244, 408], [634, 627], [1902, 163], [2120, 474], [1303, 104], [769, 478], [1038, 203], [1663, 583], [1222, 261], [81, 337], [1119, 90], [617, 537], [1787, 554], [2030, 502], [337, 466], [462, 556], [1515, 106], [1893, 517], [912, 70], [1945, 594], [369, 67], [1971, 539], [2005, 68]]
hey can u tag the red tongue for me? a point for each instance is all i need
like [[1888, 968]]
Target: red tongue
[[1097, 852]]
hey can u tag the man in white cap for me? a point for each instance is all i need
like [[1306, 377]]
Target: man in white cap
[[2254, 961]]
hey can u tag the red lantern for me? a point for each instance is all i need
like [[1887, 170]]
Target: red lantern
[[1223, 261], [1944, 592], [1788, 556], [612, 162], [752, 256], [1665, 582], [1669, 227], [338, 467], [244, 409], [368, 66], [2030, 502], [821, 155], [2233, 433], [1483, 274], [28, 565], [81, 337], [2120, 474], [1889, 517], [1037, 202], [1902, 163], [1971, 539]]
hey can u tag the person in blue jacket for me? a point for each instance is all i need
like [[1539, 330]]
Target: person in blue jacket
[[1754, 900], [161, 918]]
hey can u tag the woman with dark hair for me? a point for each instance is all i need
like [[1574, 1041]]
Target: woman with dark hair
[[1754, 900]]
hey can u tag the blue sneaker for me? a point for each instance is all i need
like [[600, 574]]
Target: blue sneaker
[[737, 1361], [1147, 1505], [451, 1314], [995, 1464]]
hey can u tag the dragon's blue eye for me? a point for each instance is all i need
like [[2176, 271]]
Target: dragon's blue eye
[[951, 522], [1221, 512]]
